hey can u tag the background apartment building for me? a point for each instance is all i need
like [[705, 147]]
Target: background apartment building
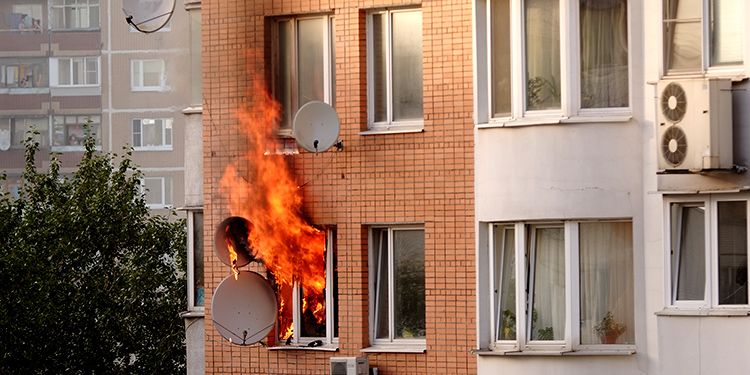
[[68, 63]]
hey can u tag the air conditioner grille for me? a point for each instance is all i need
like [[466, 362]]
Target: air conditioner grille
[[338, 368], [674, 145], [673, 102]]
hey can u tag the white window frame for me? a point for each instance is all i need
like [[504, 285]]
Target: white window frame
[[710, 302], [55, 71], [390, 125], [329, 83], [136, 81], [572, 338], [163, 201], [166, 141], [738, 70], [330, 340], [191, 260], [570, 110], [392, 343], [79, 5], [80, 119]]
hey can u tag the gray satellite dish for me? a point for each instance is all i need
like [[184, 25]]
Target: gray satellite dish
[[234, 230], [244, 309], [148, 16], [316, 126]]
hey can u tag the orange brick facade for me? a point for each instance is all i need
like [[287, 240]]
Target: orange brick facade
[[424, 177]]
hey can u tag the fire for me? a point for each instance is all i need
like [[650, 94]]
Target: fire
[[261, 188], [232, 255]]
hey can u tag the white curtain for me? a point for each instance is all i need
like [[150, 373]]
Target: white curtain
[[604, 53], [542, 54], [548, 313], [606, 266]]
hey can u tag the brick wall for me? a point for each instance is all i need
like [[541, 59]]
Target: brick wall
[[389, 178]]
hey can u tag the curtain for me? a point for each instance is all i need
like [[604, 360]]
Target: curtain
[[726, 32], [688, 252], [542, 54], [548, 312], [606, 278], [604, 53], [682, 31], [505, 283]]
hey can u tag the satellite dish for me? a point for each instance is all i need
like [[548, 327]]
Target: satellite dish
[[244, 309], [316, 126], [148, 16], [234, 231]]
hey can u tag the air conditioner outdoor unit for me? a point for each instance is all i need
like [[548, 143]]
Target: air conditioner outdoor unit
[[695, 124], [350, 366]]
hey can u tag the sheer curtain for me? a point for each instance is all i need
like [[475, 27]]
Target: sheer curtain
[[606, 277], [688, 252], [505, 283], [548, 313], [542, 54], [604, 53]]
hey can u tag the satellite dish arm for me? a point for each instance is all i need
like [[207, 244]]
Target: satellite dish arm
[[130, 21]]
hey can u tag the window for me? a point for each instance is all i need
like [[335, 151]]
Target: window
[[75, 71], [147, 75], [552, 58], [18, 129], [75, 14], [25, 72], [158, 192], [304, 69], [195, 267], [398, 286], [152, 134], [702, 34], [708, 251], [25, 16], [554, 283], [70, 130], [305, 325], [394, 73]]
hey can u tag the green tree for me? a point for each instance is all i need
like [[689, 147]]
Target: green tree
[[91, 282]]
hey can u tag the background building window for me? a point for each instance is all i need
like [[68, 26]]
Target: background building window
[[19, 129], [195, 274], [395, 92], [75, 71], [147, 75], [75, 14], [70, 131], [305, 69], [158, 192], [398, 275], [152, 133]]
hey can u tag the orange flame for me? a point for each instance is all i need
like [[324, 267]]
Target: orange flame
[[261, 188], [232, 255]]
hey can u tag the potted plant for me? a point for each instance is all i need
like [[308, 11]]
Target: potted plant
[[609, 330]]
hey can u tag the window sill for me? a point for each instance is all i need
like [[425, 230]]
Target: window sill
[[418, 349], [192, 314], [743, 311], [394, 129], [323, 348], [152, 148], [193, 110], [578, 119], [553, 353]]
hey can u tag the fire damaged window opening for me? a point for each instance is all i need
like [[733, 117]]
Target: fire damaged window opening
[[397, 289], [318, 324]]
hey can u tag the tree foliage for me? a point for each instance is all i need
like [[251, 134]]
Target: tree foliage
[[92, 283]]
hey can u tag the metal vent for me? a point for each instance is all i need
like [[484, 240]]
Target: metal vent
[[338, 368]]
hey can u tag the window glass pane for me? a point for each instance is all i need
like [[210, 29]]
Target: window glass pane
[[152, 132], [684, 49], [380, 60], [198, 258], [333, 62], [542, 54], [726, 32], [604, 54], [312, 326], [548, 314], [381, 284], [407, 65], [78, 72], [136, 79], [136, 133], [409, 283], [505, 283], [688, 252], [283, 90], [152, 73], [732, 253], [154, 191], [310, 60], [91, 71], [63, 71], [500, 29], [606, 267], [168, 131]]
